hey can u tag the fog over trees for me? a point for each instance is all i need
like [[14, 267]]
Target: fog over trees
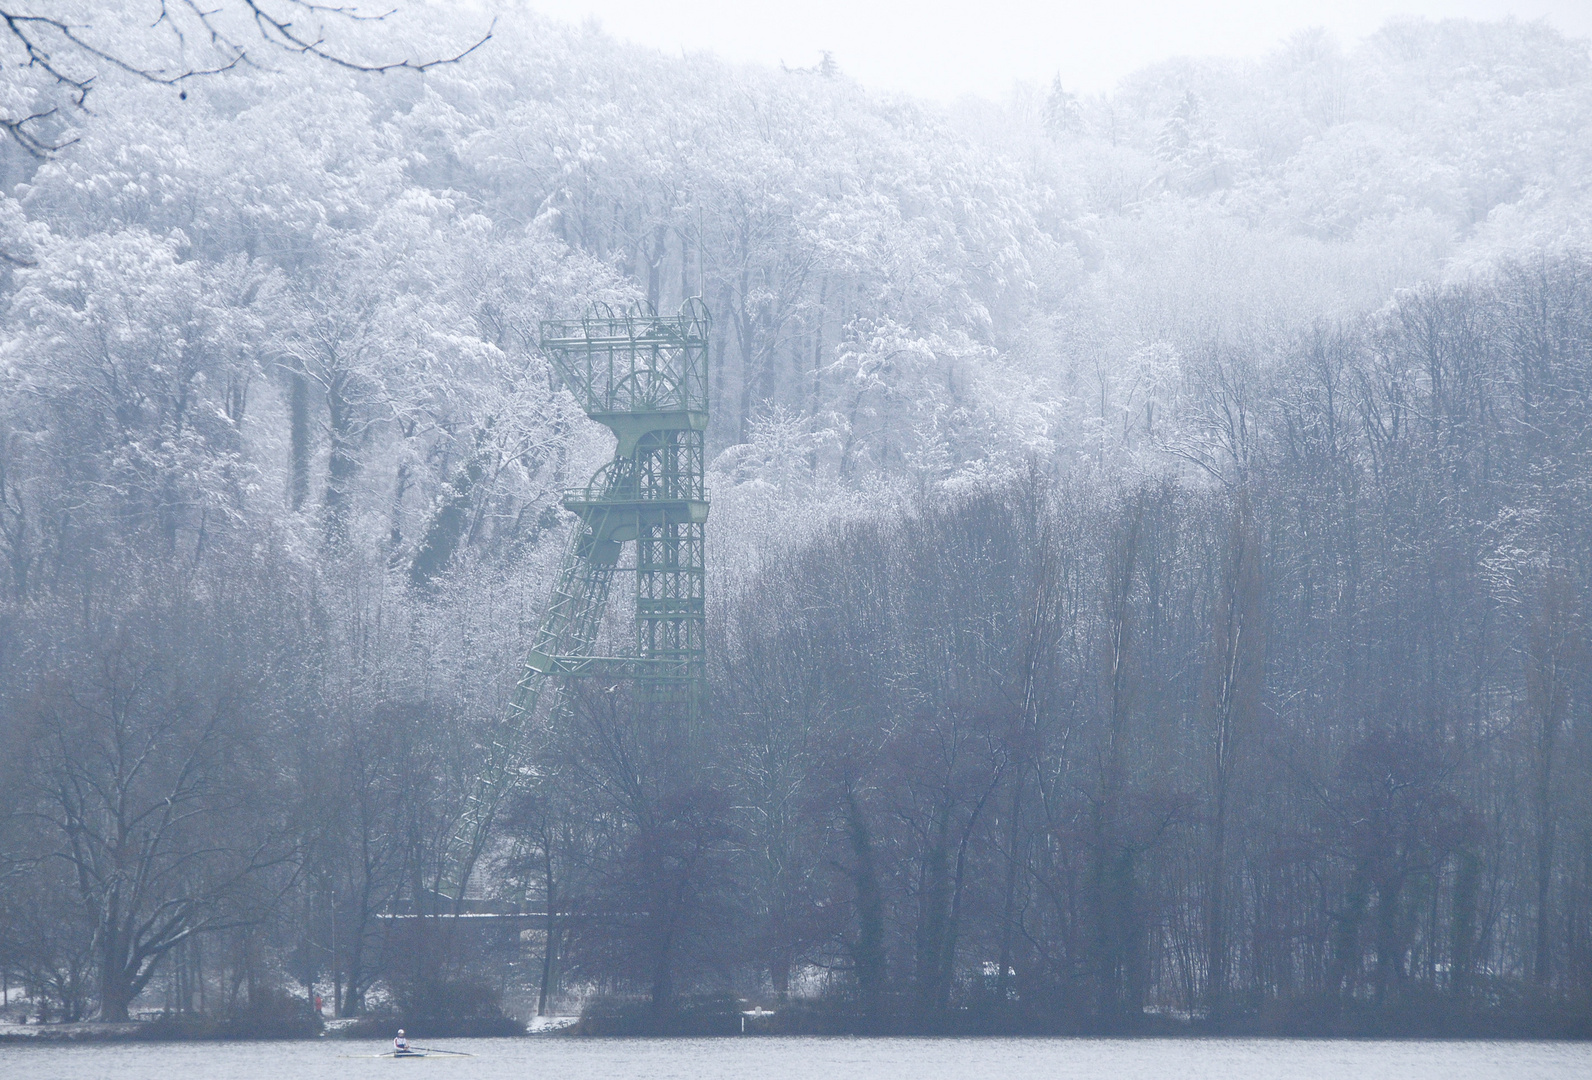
[[1149, 561]]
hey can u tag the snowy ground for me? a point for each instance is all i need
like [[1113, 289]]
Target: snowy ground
[[549, 1023], [90, 1030]]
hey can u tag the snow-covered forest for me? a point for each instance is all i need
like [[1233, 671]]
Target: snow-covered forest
[[1149, 556]]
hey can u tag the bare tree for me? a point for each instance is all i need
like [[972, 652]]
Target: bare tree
[[137, 794], [1232, 698]]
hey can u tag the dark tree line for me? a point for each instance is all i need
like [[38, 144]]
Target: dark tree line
[[1306, 723], [1296, 714], [1305, 728]]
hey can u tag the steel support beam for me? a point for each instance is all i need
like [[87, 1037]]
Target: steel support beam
[[645, 377]]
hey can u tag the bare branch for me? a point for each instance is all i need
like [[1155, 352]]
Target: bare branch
[[65, 53]]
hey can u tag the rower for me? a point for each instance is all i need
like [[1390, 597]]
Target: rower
[[400, 1045]]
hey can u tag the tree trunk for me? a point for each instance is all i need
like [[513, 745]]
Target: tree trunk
[[933, 899], [1346, 938], [1009, 895], [662, 960], [447, 528], [1216, 913], [867, 954], [342, 465], [1547, 702], [299, 439], [550, 947], [1113, 886], [116, 990]]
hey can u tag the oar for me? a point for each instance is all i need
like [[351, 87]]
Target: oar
[[434, 1050]]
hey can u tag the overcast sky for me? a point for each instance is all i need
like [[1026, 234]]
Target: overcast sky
[[943, 49]]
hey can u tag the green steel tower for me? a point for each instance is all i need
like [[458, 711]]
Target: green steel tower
[[644, 376]]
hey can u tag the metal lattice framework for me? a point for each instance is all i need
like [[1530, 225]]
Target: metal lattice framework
[[644, 377]]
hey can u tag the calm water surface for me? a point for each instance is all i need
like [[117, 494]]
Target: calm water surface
[[817, 1059]]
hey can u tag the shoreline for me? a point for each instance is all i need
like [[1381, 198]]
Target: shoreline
[[91, 1032], [202, 1030]]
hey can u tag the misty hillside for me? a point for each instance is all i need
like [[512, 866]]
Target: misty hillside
[[1149, 558]]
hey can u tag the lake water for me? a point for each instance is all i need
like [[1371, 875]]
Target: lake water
[[816, 1059]]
